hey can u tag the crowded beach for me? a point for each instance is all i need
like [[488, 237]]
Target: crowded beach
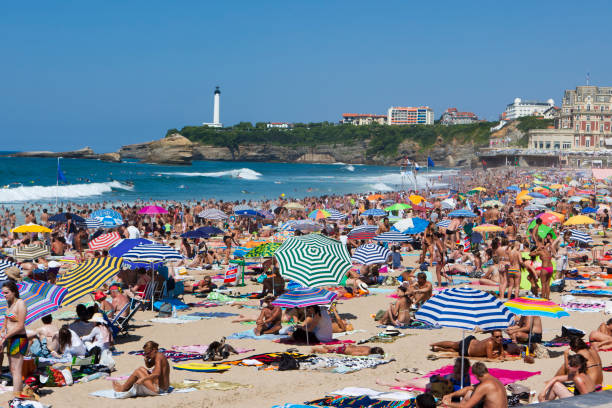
[[491, 291]]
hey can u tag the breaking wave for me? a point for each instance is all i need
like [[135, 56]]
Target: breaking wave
[[10, 195], [244, 173]]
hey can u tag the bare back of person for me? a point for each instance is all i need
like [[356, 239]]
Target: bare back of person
[[494, 392], [485, 348]]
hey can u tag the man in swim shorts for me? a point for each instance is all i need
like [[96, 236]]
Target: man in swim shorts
[[154, 377]]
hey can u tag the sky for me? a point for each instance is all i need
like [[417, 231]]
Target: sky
[[108, 73]]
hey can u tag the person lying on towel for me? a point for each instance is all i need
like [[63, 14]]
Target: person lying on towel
[[152, 379], [491, 347], [349, 350]]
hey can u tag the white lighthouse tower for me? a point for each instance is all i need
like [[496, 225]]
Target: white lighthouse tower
[[216, 120]]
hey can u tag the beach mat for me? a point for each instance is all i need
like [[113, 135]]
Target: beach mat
[[249, 334], [364, 401], [288, 340], [454, 354], [203, 367]]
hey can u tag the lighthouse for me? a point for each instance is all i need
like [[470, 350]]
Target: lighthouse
[[216, 120]]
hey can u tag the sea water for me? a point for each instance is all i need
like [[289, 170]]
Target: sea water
[[26, 180]]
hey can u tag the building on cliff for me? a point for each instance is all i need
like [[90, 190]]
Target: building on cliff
[[584, 122], [363, 119], [453, 117], [520, 108], [398, 115]]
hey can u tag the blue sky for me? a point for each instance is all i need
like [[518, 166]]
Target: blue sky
[[103, 74]]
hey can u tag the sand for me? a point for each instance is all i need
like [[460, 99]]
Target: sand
[[272, 387]]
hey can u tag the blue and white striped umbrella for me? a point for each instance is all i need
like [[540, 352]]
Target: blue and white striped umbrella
[[462, 213], [392, 236], [443, 224], [335, 215], [242, 207], [375, 212], [580, 236], [4, 265], [153, 252], [465, 308], [93, 223], [304, 297], [212, 214], [363, 232], [370, 254], [108, 217]]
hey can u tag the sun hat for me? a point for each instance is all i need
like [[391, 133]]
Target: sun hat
[[99, 296], [97, 318], [13, 273]]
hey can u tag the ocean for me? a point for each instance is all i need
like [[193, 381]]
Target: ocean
[[27, 180]]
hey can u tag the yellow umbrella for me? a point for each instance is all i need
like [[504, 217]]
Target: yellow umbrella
[[416, 199], [488, 228], [579, 220], [479, 189], [556, 186], [30, 228]]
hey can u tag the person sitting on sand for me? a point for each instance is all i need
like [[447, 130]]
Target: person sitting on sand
[[269, 320], [488, 393], [69, 344], [203, 286], [45, 338], [317, 327], [349, 350], [398, 313], [594, 366], [338, 324], [490, 348], [583, 384], [81, 325], [454, 377], [425, 400], [602, 337], [525, 325], [421, 290], [152, 379], [103, 304]]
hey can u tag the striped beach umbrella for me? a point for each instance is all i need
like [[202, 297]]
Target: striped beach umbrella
[[213, 214], [370, 254], [153, 210], [374, 212], [577, 235], [109, 218], [443, 224], [93, 223], [104, 241], [242, 207], [88, 276], [41, 299], [392, 236], [335, 215], [32, 252], [363, 232], [526, 306], [462, 213], [153, 252], [313, 260], [263, 251], [307, 226], [304, 297], [4, 265]]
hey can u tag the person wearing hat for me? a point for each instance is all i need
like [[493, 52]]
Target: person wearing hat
[[118, 302], [100, 336], [103, 304], [13, 273]]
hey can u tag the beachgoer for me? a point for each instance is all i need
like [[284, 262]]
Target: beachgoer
[[490, 348], [576, 372], [155, 376], [100, 336], [14, 335], [489, 392], [594, 368], [119, 300], [269, 320], [398, 312], [524, 326], [349, 350], [602, 336], [69, 344]]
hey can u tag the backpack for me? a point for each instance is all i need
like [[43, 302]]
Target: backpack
[[288, 362]]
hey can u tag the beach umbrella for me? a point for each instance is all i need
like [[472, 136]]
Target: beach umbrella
[[535, 194], [335, 215], [370, 254], [93, 223], [242, 207], [313, 260], [127, 244], [527, 306], [392, 236], [415, 225], [109, 217], [535, 207], [263, 251], [543, 201], [398, 206], [576, 199], [210, 230], [448, 204], [195, 234], [41, 299], [462, 213], [212, 214], [513, 188], [63, 217], [577, 235], [579, 220], [319, 214], [153, 252], [416, 199], [543, 231], [304, 297], [104, 241], [251, 213], [488, 228], [589, 210], [4, 265], [492, 203], [363, 232], [551, 217], [87, 277], [602, 207], [465, 309], [153, 210], [307, 226], [294, 206], [30, 227], [374, 197], [32, 252], [443, 223], [374, 212]]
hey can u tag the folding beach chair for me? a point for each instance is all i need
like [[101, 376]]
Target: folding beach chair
[[148, 294], [122, 324], [113, 323]]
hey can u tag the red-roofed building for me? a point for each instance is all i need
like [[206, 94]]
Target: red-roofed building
[[363, 118], [454, 117]]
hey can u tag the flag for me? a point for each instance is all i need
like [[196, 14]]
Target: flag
[[60, 173], [231, 275], [430, 163]]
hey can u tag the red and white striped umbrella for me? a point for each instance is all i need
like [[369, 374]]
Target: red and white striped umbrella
[[104, 241]]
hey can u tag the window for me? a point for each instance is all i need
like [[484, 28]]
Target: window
[[548, 145], [541, 145], [601, 128], [567, 145], [557, 145], [588, 127], [587, 142]]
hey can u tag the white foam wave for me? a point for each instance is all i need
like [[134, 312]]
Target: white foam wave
[[380, 187], [407, 180], [350, 167], [244, 173], [9, 195]]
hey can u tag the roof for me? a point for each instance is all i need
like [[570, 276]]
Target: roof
[[363, 115]]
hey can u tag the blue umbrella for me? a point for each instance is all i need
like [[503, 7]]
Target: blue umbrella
[[108, 217], [93, 223], [127, 244], [251, 213], [420, 225], [304, 297], [334, 215], [535, 194], [375, 212], [61, 217], [195, 234], [370, 254], [513, 188], [589, 210], [392, 236], [210, 230], [443, 223], [580, 236], [152, 252], [5, 264], [462, 213]]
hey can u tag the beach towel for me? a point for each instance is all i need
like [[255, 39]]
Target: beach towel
[[210, 315], [138, 390], [203, 367], [382, 338], [288, 340], [249, 334], [591, 292], [209, 384], [358, 392], [341, 364], [360, 402], [202, 349], [504, 376], [169, 320], [177, 304], [205, 303], [268, 358], [175, 356], [453, 354]]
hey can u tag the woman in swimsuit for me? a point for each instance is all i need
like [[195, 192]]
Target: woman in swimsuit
[[593, 368], [583, 384], [546, 271], [399, 311], [228, 240], [14, 333]]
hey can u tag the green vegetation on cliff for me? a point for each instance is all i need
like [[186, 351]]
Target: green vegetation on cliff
[[527, 123]]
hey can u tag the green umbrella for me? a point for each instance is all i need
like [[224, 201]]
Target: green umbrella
[[313, 260], [263, 251], [543, 231], [398, 206]]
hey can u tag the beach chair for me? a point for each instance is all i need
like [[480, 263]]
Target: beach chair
[[147, 295], [122, 323]]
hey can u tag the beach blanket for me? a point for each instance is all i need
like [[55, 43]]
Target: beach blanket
[[288, 340], [382, 338], [504, 376], [169, 320], [173, 355], [202, 349], [205, 303], [591, 292], [360, 402], [138, 390], [210, 315], [249, 334], [453, 354], [203, 367], [267, 358], [341, 364], [359, 391]]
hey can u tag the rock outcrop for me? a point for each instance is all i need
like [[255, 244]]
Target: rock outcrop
[[84, 153], [110, 157], [174, 149]]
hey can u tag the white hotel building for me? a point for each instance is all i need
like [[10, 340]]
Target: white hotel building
[[520, 108]]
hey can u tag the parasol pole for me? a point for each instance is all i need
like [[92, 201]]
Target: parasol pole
[[530, 330], [462, 353]]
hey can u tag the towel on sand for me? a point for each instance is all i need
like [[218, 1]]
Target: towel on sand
[[288, 340], [173, 355], [138, 390], [201, 349], [249, 334]]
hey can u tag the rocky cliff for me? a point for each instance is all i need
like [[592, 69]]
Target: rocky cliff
[[174, 149]]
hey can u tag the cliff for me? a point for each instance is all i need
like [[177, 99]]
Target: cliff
[[174, 149]]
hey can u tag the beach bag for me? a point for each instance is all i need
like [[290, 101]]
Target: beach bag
[[56, 378], [557, 285], [288, 362], [262, 278]]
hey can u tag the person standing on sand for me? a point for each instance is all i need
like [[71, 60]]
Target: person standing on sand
[[14, 335]]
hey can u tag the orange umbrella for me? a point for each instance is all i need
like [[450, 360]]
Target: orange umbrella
[[375, 197]]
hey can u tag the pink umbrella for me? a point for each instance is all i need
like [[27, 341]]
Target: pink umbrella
[[152, 210]]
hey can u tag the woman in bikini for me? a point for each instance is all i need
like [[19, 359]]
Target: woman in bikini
[[583, 384], [546, 270], [14, 333], [593, 360], [228, 240], [398, 313]]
